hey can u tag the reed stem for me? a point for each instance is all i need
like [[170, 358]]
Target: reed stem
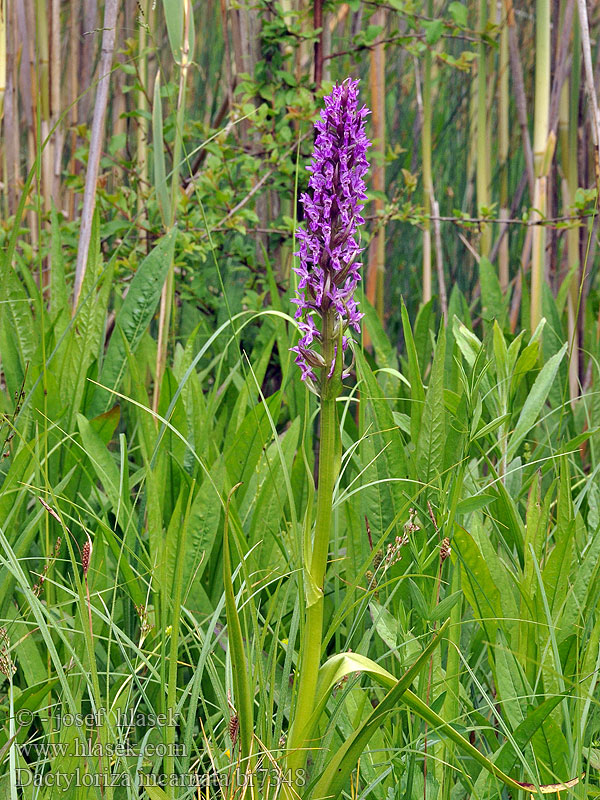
[[427, 176], [567, 137], [503, 147], [541, 155], [483, 145], [97, 137]]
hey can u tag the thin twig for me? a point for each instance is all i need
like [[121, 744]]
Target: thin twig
[[528, 223], [398, 38]]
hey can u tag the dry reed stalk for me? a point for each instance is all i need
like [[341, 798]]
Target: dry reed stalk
[[86, 59], [589, 79], [96, 140], [28, 93], [73, 83], [11, 113], [42, 52], [57, 138]]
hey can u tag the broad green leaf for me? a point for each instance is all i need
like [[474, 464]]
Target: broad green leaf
[[493, 303], [556, 571], [59, 293], [551, 751], [477, 584], [470, 504], [135, 315], [169, 545], [246, 446], [459, 14], [586, 578], [375, 496], [17, 328], [203, 525], [538, 514], [506, 514], [270, 501], [83, 346], [469, 345], [535, 401], [433, 30], [432, 435], [501, 358], [525, 363], [387, 428], [12, 366], [107, 471], [30, 659], [175, 11], [535, 533], [423, 329], [385, 625], [343, 664], [444, 607], [513, 692], [502, 577]]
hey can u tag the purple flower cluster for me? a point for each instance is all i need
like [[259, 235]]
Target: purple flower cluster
[[329, 268]]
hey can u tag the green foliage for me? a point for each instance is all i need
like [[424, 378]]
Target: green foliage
[[512, 492]]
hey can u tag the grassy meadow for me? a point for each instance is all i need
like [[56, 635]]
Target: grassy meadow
[[219, 579]]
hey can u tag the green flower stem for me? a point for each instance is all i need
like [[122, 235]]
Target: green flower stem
[[315, 570], [327, 478]]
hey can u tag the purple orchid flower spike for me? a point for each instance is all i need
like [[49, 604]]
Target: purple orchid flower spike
[[329, 269]]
